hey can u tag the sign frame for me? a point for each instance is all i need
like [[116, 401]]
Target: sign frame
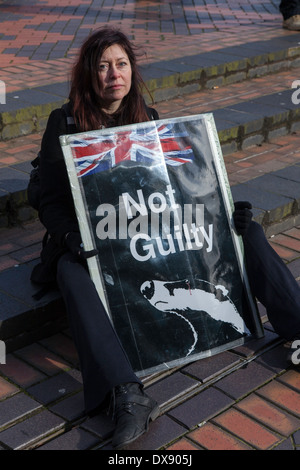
[[87, 229]]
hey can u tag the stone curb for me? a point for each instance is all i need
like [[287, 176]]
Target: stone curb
[[27, 111]]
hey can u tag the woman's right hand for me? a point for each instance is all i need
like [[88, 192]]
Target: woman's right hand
[[72, 240], [242, 216]]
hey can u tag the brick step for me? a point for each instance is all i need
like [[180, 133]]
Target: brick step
[[245, 115], [26, 111], [173, 390], [237, 358], [23, 319]]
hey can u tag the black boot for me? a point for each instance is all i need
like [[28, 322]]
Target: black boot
[[133, 412]]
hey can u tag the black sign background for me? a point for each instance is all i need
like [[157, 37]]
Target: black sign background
[[156, 339]]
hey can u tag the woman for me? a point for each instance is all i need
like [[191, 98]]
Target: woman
[[105, 85], [106, 92]]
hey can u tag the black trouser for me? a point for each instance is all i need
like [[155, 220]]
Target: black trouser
[[289, 8], [103, 361], [272, 283]]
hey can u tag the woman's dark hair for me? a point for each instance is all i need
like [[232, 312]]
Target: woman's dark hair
[[85, 84]]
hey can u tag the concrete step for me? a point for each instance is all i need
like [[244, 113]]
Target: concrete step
[[189, 85], [240, 125], [24, 319], [26, 111]]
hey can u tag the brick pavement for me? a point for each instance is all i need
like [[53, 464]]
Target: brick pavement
[[39, 40], [246, 398], [25, 148]]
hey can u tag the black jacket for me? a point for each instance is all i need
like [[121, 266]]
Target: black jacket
[[57, 211]]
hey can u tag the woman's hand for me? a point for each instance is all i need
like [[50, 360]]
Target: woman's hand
[[73, 242], [242, 216]]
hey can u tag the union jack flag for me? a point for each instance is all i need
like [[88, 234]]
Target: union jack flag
[[102, 152]]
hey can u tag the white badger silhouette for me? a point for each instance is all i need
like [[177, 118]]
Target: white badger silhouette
[[177, 297]]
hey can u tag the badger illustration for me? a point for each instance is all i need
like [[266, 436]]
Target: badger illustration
[[177, 297]]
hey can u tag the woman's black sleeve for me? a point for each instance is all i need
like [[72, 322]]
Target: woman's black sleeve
[[57, 212]]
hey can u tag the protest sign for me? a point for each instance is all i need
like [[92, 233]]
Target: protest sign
[[154, 199]]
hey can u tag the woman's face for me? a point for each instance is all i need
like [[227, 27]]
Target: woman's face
[[115, 77]]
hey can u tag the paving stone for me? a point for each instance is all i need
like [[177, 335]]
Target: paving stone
[[171, 388], [16, 407], [255, 345], [20, 373], [183, 444], [268, 111], [247, 429], [284, 253], [9, 308], [24, 167], [269, 415], [56, 387], [201, 407], [282, 396], [282, 98], [12, 180], [244, 380], [209, 367], [291, 378], [276, 185], [296, 438], [20, 314], [20, 276], [76, 439], [59, 89], [291, 173], [61, 345], [26, 433], [275, 205], [274, 359], [31, 97], [286, 444], [241, 118], [43, 359], [293, 232], [71, 408], [288, 242], [7, 389], [163, 431], [102, 425], [212, 437]]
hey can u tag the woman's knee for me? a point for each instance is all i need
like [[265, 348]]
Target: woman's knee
[[69, 268], [255, 233]]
